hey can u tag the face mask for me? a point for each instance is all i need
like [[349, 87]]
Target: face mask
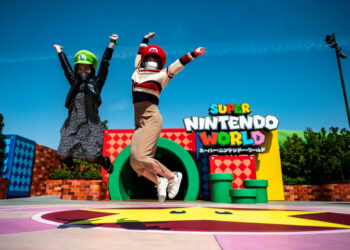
[[151, 65], [84, 76]]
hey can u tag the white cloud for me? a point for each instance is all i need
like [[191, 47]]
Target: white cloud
[[227, 48], [268, 47], [119, 106]]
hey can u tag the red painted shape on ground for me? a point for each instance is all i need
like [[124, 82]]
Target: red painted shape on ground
[[343, 219], [73, 215]]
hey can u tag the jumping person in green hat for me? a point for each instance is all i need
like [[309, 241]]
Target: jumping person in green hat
[[82, 133]]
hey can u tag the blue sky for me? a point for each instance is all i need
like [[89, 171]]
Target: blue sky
[[270, 54]]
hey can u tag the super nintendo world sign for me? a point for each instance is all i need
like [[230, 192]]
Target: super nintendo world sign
[[230, 129]]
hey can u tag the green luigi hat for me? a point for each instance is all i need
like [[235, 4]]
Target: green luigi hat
[[85, 57]]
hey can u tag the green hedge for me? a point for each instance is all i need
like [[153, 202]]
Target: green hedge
[[81, 170], [319, 158]]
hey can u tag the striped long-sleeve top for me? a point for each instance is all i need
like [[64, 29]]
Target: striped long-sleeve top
[[148, 84]]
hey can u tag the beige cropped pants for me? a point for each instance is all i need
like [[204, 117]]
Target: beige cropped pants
[[148, 125]]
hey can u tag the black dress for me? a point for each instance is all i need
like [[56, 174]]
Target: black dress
[[82, 133]]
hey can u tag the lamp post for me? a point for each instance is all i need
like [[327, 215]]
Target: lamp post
[[330, 39]]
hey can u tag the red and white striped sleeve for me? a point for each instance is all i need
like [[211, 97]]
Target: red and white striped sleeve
[[142, 46], [179, 64]]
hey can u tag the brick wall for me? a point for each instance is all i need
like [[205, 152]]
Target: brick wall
[[336, 192], [93, 190], [3, 187], [45, 162], [325, 192], [53, 187]]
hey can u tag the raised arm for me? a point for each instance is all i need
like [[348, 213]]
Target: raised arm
[[103, 70], [143, 45], [68, 71], [179, 64]]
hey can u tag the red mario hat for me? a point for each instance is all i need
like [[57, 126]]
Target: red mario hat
[[154, 50]]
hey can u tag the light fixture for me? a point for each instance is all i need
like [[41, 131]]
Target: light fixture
[[342, 55], [329, 39], [333, 45]]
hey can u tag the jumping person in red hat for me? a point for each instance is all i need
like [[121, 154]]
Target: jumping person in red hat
[[149, 79]]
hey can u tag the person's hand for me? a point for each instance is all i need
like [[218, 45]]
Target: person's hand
[[114, 37], [200, 51], [58, 48], [113, 41], [149, 35]]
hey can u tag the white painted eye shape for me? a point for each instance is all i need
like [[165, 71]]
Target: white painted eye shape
[[177, 212]]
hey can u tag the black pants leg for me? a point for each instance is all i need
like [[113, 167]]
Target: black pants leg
[[105, 162], [67, 161]]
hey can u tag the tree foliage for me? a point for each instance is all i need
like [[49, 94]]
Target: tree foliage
[[323, 157], [104, 124], [81, 170]]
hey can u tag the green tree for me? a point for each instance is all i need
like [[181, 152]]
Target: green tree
[[104, 124], [345, 159], [293, 160], [324, 157]]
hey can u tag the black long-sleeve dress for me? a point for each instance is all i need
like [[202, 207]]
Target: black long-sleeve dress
[[82, 133]]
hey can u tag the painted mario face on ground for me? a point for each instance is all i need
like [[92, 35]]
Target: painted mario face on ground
[[203, 219]]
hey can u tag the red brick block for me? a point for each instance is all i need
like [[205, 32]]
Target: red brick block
[[84, 190], [53, 187], [326, 192], [45, 162]]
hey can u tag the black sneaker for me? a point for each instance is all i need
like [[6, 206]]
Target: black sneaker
[[68, 163], [108, 166]]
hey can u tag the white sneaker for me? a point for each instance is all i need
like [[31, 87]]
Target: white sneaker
[[161, 188], [174, 185]]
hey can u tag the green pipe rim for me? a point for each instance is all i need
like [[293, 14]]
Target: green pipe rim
[[243, 192], [116, 187], [221, 177], [255, 183]]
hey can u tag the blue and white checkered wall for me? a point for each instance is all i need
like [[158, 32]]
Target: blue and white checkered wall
[[19, 164]]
